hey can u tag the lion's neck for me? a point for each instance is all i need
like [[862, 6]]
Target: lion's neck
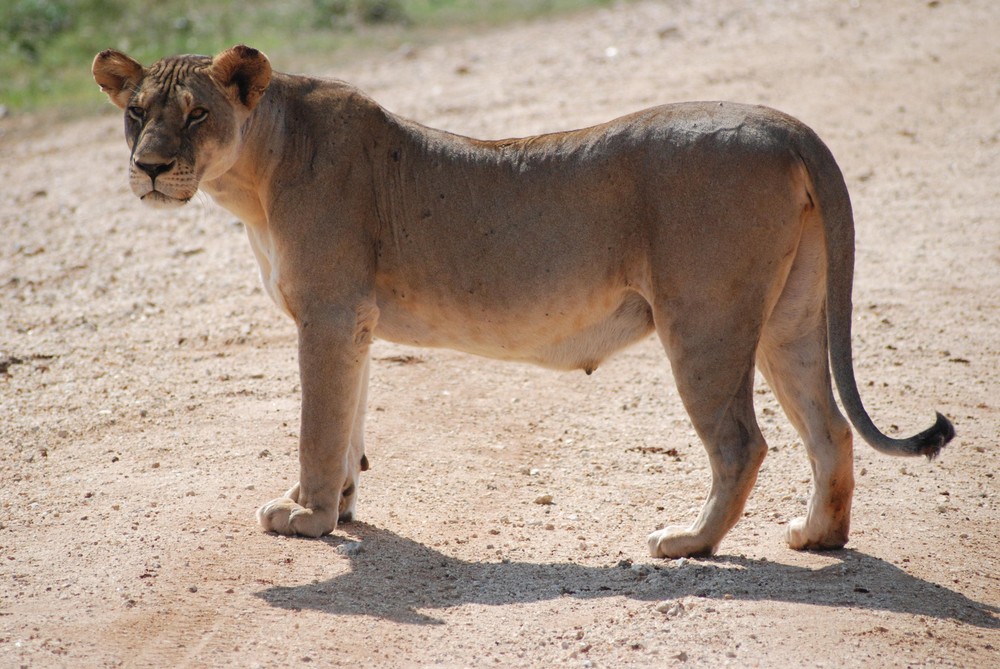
[[242, 189], [237, 194]]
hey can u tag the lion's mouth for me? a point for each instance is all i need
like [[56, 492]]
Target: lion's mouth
[[161, 200], [167, 190]]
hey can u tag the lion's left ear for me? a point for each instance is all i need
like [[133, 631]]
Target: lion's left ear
[[118, 75], [245, 69]]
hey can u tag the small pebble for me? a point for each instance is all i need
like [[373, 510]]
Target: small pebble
[[350, 548], [640, 571], [670, 609]]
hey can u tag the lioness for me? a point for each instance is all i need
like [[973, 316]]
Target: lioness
[[725, 228]]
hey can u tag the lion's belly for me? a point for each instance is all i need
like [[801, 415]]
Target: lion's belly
[[557, 332]]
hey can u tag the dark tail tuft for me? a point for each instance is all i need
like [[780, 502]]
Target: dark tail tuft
[[933, 439]]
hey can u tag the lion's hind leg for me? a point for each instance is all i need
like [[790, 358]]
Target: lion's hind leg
[[799, 376], [793, 356], [715, 381]]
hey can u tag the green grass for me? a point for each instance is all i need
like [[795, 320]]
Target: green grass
[[46, 46]]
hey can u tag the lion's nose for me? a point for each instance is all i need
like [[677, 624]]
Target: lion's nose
[[155, 169]]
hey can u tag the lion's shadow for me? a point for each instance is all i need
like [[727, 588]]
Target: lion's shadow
[[420, 578]]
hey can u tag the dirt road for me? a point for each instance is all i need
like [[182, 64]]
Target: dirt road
[[149, 393]]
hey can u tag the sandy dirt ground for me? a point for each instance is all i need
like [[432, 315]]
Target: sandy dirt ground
[[149, 393]]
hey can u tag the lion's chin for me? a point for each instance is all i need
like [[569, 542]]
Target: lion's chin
[[158, 200]]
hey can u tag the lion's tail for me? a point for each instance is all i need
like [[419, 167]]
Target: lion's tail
[[830, 195]]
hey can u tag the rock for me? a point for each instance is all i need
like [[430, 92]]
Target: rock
[[671, 609], [350, 548], [543, 499], [640, 571]]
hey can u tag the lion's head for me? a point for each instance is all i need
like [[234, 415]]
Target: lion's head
[[183, 116]]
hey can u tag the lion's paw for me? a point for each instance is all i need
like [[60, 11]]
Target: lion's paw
[[678, 541], [286, 516], [346, 510], [348, 502], [801, 537]]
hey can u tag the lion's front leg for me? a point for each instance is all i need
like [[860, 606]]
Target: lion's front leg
[[333, 355], [357, 461]]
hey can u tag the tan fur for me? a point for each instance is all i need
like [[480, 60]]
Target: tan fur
[[724, 228]]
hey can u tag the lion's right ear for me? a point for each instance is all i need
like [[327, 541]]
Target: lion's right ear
[[117, 75], [244, 70]]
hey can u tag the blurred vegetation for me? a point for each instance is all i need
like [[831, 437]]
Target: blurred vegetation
[[46, 46]]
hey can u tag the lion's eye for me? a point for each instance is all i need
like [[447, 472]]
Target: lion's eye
[[137, 113], [197, 115]]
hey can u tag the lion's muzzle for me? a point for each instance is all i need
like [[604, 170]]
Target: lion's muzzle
[[161, 183]]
